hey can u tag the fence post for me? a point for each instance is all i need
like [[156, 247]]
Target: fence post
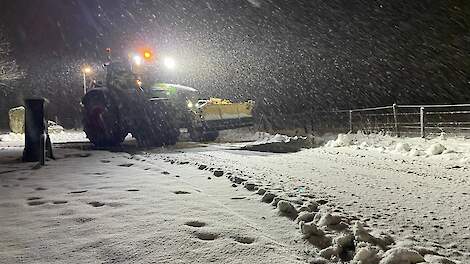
[[350, 121], [395, 120], [422, 121]]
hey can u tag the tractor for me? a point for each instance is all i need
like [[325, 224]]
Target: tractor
[[155, 115]]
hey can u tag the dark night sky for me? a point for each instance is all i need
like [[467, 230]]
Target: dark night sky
[[333, 54]]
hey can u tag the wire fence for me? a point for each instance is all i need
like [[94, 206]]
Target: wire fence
[[409, 120], [413, 119]]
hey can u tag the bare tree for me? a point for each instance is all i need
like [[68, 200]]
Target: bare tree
[[9, 71]]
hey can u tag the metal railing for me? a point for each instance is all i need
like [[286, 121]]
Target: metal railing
[[394, 119], [410, 119]]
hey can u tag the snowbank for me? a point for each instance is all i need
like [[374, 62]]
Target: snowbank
[[274, 139], [241, 135], [442, 147], [249, 135], [57, 136]]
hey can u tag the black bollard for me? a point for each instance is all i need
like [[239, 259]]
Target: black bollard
[[35, 128]]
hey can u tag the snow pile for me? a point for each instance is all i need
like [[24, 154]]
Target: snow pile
[[278, 138], [343, 140], [401, 255], [241, 135], [436, 149], [280, 144], [451, 148], [246, 139], [53, 127], [402, 147], [12, 138], [68, 136], [255, 138]]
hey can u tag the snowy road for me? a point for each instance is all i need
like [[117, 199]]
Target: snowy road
[[162, 207]]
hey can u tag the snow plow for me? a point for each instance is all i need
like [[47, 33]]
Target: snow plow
[[156, 115], [210, 116]]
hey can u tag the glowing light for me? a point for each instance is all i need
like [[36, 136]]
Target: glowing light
[[86, 70], [169, 63], [190, 104], [147, 54], [139, 82], [137, 60]]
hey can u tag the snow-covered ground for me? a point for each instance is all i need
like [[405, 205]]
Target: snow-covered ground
[[100, 207], [366, 198], [13, 139]]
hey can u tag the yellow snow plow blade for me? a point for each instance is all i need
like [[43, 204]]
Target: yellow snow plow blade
[[220, 109]]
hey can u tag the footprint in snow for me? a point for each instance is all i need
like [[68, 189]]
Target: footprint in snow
[[206, 236], [181, 192], [115, 204], [78, 155], [105, 161], [81, 191], [243, 240], [82, 220], [195, 224], [34, 203], [133, 190], [59, 202], [126, 165], [96, 204], [40, 189], [238, 198], [165, 172], [33, 198]]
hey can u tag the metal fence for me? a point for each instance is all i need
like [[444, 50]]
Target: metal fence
[[412, 119]]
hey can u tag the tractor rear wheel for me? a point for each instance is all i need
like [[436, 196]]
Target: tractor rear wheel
[[101, 122]]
